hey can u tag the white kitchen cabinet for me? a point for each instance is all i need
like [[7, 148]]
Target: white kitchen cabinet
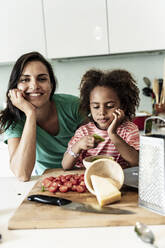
[[21, 28], [75, 28], [136, 25]]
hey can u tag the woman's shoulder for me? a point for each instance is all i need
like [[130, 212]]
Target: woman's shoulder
[[14, 131], [65, 98], [68, 106]]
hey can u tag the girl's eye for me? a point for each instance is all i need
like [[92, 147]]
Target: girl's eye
[[95, 107], [110, 106]]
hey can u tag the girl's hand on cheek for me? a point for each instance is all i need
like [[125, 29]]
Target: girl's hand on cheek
[[86, 142], [118, 118], [17, 97]]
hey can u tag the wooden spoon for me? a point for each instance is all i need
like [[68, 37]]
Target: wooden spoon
[[156, 90], [162, 96]]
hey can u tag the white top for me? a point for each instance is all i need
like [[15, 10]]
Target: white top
[[13, 193]]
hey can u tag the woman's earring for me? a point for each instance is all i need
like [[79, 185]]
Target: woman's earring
[[89, 115]]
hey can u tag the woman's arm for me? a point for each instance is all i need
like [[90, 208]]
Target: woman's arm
[[22, 150]]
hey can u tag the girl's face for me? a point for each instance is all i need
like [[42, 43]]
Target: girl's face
[[103, 102], [35, 83]]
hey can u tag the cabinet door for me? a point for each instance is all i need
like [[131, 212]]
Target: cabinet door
[[75, 28], [21, 28], [136, 25]]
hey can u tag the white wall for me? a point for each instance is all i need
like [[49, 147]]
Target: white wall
[[70, 71], [4, 78]]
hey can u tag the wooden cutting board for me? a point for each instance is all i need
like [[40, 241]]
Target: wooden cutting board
[[31, 215]]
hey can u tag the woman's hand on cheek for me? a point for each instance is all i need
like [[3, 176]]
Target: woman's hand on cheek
[[118, 118], [17, 98]]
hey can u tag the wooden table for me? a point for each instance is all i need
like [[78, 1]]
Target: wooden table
[[14, 192], [32, 215]]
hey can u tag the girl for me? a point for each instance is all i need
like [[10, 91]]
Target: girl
[[110, 100], [38, 123]]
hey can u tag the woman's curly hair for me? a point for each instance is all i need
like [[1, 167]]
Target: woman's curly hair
[[121, 81]]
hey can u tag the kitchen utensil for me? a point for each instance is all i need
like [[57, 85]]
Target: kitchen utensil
[[131, 176], [162, 96], [152, 165], [147, 91], [156, 90], [163, 87], [145, 233], [76, 206], [147, 81], [160, 82], [154, 125]]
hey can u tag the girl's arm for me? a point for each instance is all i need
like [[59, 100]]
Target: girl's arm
[[70, 157], [128, 153], [22, 150]]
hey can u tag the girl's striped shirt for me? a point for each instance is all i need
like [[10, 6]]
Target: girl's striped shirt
[[128, 131]]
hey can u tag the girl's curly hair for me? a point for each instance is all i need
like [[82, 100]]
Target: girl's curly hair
[[121, 81]]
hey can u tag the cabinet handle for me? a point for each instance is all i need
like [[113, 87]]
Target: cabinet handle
[[98, 33]]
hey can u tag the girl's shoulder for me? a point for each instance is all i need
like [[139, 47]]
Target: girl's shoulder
[[87, 129], [90, 129], [87, 126], [129, 126]]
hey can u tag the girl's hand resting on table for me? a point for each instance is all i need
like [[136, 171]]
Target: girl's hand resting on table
[[17, 98], [118, 118]]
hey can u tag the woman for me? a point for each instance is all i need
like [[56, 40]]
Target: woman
[[37, 123]]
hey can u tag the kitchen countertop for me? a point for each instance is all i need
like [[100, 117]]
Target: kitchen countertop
[[12, 194]]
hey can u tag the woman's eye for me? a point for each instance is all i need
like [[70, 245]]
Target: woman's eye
[[42, 79], [24, 80]]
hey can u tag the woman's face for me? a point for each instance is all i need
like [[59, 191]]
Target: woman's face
[[103, 102], [35, 83]]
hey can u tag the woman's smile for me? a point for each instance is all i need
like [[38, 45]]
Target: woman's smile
[[33, 94], [35, 83]]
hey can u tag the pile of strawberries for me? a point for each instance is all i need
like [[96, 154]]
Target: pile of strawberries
[[65, 183]]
